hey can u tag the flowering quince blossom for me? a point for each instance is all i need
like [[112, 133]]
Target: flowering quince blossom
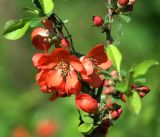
[[86, 103], [58, 72], [38, 39], [96, 57]]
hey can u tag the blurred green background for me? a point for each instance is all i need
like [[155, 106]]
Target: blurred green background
[[22, 103]]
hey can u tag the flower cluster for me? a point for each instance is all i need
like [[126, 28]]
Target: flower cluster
[[61, 73]]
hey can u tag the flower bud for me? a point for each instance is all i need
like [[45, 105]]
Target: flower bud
[[86, 103], [123, 2], [123, 97], [39, 36], [109, 90], [48, 24], [98, 21], [115, 115], [20, 132], [46, 128], [65, 43], [114, 74]]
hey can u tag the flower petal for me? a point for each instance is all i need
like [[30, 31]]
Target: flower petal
[[94, 79], [36, 58], [88, 65], [54, 78], [60, 53], [75, 62], [73, 86], [98, 53]]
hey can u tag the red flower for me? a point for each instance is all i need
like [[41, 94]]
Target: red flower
[[46, 128], [86, 103], [20, 132], [95, 58], [48, 24], [39, 36], [58, 71]]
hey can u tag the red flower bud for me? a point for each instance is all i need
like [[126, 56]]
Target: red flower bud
[[46, 128], [123, 2], [114, 74], [48, 24], [39, 37], [115, 115], [65, 43], [20, 132], [109, 90], [86, 103], [98, 21], [142, 94], [120, 110], [123, 97]]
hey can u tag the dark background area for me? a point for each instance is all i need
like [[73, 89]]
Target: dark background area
[[22, 103]]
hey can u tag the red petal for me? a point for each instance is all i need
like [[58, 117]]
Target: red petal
[[54, 78], [36, 58], [98, 50], [94, 79], [46, 62], [73, 86], [74, 61], [60, 53], [99, 54], [107, 64], [88, 65]]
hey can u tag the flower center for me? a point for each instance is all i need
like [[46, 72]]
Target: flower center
[[64, 66], [94, 61]]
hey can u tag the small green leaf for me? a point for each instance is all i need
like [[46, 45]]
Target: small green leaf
[[139, 81], [36, 22], [14, 30], [122, 87], [115, 56], [37, 4], [142, 68], [33, 11], [125, 18], [86, 128], [135, 102], [47, 6]]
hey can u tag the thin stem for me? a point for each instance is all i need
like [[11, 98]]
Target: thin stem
[[71, 41], [108, 27], [80, 117]]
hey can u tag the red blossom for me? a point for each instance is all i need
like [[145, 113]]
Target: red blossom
[[46, 128], [20, 132], [39, 41], [58, 71], [95, 58]]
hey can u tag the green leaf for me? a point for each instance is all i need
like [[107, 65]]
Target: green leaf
[[31, 10], [135, 102], [86, 128], [14, 30], [37, 4], [125, 18], [47, 6], [115, 56], [142, 68], [139, 81], [122, 87], [36, 22]]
